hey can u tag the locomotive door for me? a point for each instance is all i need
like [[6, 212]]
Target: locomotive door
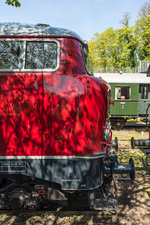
[[20, 114], [21, 94]]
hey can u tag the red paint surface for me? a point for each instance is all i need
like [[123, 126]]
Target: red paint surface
[[60, 113]]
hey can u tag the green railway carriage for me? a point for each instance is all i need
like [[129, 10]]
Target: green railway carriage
[[131, 95]]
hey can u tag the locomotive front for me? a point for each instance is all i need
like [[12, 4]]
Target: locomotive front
[[53, 118]]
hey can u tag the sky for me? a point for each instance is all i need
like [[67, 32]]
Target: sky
[[85, 17]]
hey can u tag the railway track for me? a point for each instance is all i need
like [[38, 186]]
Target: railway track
[[62, 212]]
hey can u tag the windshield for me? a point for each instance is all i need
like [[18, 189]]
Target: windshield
[[11, 54], [16, 55]]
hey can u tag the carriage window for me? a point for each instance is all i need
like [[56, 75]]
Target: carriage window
[[11, 54], [144, 92], [41, 55], [122, 93]]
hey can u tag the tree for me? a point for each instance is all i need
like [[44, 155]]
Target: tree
[[114, 49], [127, 45], [102, 49], [145, 10], [142, 32], [15, 3], [125, 19]]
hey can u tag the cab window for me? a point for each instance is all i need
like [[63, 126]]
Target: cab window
[[87, 60], [23, 54], [11, 54], [41, 55]]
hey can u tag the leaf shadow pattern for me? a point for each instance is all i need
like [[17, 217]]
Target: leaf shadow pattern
[[57, 116], [133, 209], [20, 115]]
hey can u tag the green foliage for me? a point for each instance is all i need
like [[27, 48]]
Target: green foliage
[[122, 48], [142, 33], [15, 3], [114, 49], [127, 45], [103, 49]]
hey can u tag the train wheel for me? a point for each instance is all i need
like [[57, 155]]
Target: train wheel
[[118, 123]]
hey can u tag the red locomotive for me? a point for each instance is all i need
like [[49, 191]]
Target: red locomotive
[[54, 138]]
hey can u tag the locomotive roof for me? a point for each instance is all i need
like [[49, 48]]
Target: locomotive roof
[[135, 78], [39, 29]]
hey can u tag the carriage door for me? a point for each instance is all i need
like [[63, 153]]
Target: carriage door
[[144, 99]]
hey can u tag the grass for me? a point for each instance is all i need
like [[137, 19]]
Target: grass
[[123, 134], [125, 150]]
